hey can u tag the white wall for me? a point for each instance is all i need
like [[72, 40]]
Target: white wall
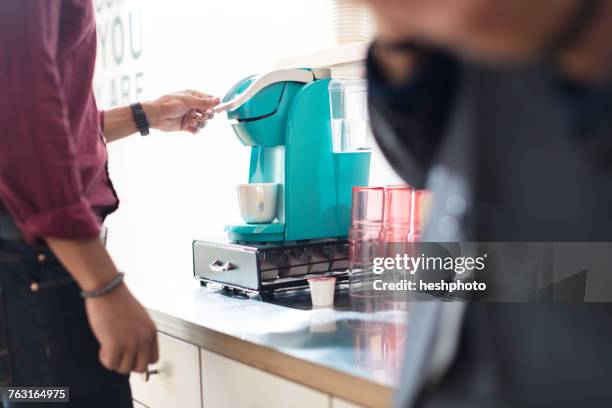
[[175, 187]]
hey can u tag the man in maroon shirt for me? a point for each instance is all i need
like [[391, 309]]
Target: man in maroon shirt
[[54, 195]]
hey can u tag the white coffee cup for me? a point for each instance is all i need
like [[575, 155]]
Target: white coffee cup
[[257, 202], [322, 290]]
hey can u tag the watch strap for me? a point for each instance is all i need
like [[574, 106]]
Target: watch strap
[[140, 118]]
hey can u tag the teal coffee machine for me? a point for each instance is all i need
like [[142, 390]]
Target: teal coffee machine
[[284, 117]]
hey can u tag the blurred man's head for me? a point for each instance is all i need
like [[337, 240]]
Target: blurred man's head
[[492, 31]]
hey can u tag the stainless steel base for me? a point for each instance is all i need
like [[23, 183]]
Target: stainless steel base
[[267, 268]]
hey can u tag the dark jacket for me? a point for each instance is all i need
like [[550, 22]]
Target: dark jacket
[[529, 157]]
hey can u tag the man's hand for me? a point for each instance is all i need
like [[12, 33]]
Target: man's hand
[[187, 111], [127, 336], [121, 325]]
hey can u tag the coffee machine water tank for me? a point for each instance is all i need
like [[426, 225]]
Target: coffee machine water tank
[[350, 120]]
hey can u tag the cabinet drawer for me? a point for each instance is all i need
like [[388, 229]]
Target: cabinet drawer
[[178, 382], [228, 383]]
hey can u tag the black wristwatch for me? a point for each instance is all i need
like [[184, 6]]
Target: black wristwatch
[[140, 118]]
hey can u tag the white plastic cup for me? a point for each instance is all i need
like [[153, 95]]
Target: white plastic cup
[[322, 290], [257, 202]]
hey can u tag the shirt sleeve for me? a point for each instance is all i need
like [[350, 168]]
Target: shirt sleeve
[[40, 184], [408, 119]]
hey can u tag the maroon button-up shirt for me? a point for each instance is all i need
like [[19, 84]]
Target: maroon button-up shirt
[[53, 176]]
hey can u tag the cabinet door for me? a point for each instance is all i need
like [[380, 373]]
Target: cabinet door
[[340, 403], [228, 383], [177, 384]]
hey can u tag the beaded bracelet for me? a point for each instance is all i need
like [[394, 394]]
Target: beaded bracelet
[[104, 289]]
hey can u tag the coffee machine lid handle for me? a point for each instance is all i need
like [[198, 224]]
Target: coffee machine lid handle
[[264, 80]]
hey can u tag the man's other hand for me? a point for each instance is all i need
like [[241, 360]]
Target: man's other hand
[[126, 333]]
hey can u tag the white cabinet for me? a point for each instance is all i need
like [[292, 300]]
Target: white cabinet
[[138, 405], [228, 383], [177, 384], [340, 403]]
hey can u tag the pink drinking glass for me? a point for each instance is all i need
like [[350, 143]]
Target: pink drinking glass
[[421, 203], [397, 208], [364, 236], [367, 208], [366, 223]]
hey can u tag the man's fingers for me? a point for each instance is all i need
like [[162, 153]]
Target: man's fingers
[[143, 359], [215, 100], [195, 93], [195, 103], [202, 104], [188, 119], [194, 121], [154, 351], [208, 115], [146, 347], [128, 359], [110, 357], [200, 120]]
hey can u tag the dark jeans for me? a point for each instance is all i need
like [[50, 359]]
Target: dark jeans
[[45, 339]]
